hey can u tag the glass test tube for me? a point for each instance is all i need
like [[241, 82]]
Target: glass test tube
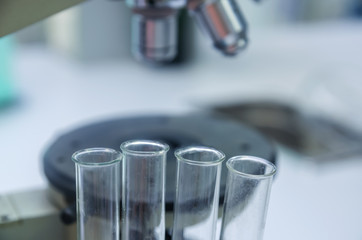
[[197, 193], [246, 198], [98, 193], [143, 190]]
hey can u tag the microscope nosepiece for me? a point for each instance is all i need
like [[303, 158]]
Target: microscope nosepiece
[[154, 26]]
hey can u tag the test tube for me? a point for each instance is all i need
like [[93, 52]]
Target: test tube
[[143, 190], [197, 193], [246, 200], [97, 193]]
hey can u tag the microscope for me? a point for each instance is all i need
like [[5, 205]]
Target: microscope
[[50, 213], [154, 23]]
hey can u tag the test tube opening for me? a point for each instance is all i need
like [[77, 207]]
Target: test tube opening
[[144, 147], [96, 156], [200, 155], [251, 167]]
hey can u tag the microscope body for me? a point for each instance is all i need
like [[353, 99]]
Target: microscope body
[[154, 23]]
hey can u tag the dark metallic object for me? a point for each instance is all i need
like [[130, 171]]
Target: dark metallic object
[[318, 138]]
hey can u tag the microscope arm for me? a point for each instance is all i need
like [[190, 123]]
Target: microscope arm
[[17, 14]]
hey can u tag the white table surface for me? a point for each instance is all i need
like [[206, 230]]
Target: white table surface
[[56, 94]]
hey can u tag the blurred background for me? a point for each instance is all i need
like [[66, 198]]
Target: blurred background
[[298, 83]]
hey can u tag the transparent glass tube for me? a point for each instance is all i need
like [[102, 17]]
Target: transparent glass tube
[[143, 190], [246, 198], [98, 193], [197, 193]]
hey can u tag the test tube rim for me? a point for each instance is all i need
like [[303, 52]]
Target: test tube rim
[[251, 158], [179, 151], [163, 147], [97, 149]]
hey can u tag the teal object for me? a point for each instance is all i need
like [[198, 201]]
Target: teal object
[[6, 83]]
